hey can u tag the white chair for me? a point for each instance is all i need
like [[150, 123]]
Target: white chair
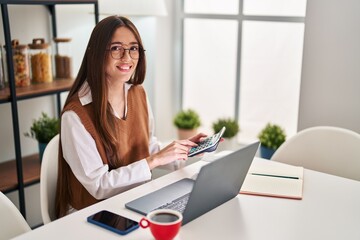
[[12, 223], [325, 149], [48, 180]]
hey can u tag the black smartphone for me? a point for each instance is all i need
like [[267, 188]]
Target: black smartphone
[[113, 222]]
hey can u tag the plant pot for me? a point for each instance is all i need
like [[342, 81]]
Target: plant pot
[[266, 152], [42, 147], [186, 133]]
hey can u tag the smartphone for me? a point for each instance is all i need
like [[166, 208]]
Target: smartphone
[[113, 222], [208, 144]]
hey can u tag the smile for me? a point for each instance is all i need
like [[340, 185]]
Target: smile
[[124, 67]]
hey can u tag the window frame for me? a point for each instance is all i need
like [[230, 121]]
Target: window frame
[[180, 17]]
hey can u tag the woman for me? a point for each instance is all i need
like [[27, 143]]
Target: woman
[[107, 144]]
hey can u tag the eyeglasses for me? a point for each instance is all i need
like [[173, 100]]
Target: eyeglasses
[[118, 52]]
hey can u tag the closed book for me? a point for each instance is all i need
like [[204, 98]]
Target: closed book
[[274, 179]]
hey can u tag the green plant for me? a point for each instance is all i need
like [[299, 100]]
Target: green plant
[[187, 119], [272, 136], [44, 128], [231, 125]]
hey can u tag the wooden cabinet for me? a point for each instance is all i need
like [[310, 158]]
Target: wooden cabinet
[[23, 171]]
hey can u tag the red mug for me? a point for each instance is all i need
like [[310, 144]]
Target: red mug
[[164, 224]]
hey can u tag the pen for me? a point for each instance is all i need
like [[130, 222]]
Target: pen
[[270, 175]]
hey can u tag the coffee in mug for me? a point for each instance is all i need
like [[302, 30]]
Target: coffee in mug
[[164, 224], [163, 217]]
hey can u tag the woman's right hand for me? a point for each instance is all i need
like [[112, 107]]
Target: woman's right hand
[[178, 149]]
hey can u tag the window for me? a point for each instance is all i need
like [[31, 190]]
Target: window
[[209, 61], [242, 59], [270, 76], [211, 6], [275, 7]]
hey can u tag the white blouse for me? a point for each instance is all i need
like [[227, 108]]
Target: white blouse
[[80, 152]]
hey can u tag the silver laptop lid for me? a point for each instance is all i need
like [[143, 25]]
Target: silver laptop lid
[[219, 181]]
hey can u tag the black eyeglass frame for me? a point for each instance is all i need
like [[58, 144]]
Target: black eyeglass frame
[[125, 49]]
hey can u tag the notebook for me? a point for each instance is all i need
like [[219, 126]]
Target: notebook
[[267, 178], [216, 183]]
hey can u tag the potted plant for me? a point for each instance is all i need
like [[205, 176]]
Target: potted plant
[[231, 125], [187, 122], [232, 129], [271, 137], [43, 130]]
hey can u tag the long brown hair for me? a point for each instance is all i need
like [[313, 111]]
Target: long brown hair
[[92, 70]]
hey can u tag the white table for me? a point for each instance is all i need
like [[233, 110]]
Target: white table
[[330, 209]]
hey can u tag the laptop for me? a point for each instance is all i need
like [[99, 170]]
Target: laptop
[[217, 182]]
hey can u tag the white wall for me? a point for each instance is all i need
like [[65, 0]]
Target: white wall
[[165, 84], [330, 84]]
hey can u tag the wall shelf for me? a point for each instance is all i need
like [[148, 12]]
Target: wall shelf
[[31, 166], [36, 90]]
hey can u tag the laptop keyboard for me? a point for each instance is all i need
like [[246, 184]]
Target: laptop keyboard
[[178, 204]]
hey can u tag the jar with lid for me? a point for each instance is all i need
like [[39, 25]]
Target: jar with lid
[[62, 58], [20, 55], [40, 55], [2, 75]]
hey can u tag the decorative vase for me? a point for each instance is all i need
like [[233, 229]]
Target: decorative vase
[[186, 133], [42, 147], [266, 152]]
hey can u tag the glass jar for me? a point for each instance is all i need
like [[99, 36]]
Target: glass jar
[[20, 54], [62, 58], [40, 55], [2, 75]]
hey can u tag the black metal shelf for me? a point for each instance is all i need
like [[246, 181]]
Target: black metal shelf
[[11, 94]]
